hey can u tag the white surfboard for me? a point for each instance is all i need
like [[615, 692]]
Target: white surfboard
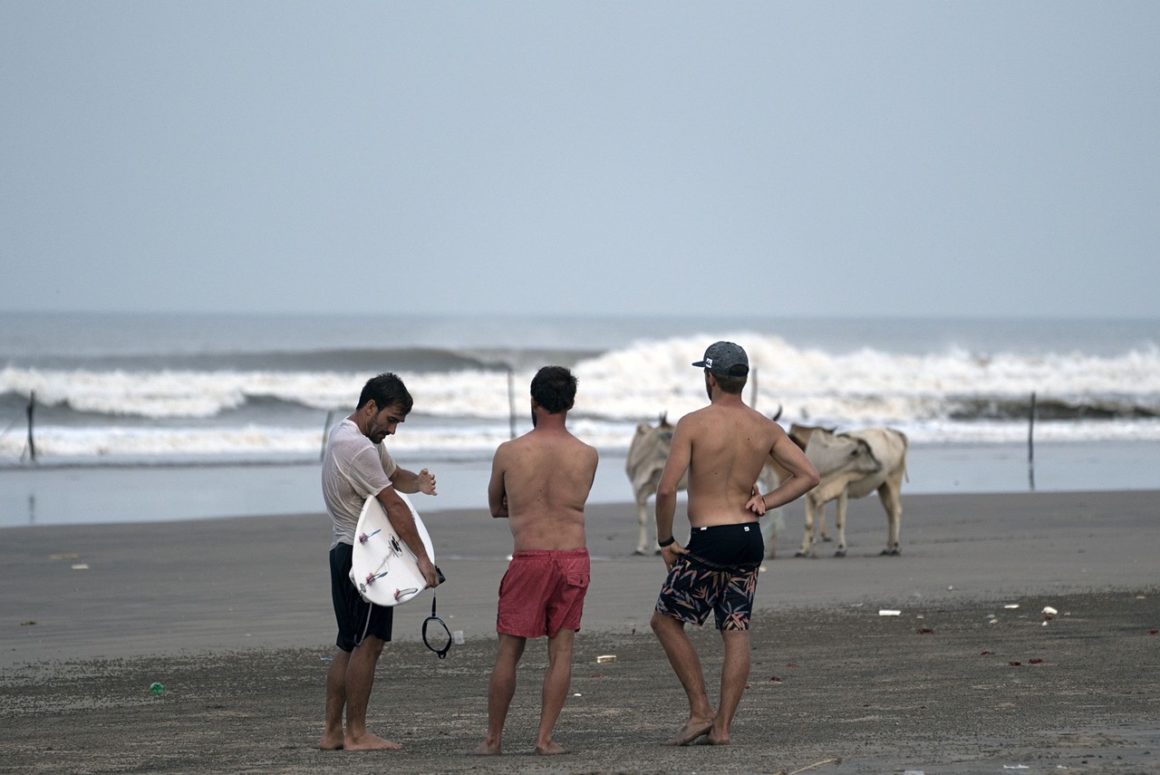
[[383, 569]]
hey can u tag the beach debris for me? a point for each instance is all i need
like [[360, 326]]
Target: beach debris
[[80, 566], [605, 659], [889, 612], [1016, 767], [986, 653], [28, 623], [1035, 661], [157, 688], [457, 637], [577, 694], [1011, 606], [1049, 613], [774, 679], [1153, 631], [832, 760], [925, 631], [1015, 663]]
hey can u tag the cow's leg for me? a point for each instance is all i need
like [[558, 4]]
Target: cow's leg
[[840, 522], [821, 529], [642, 545], [771, 526], [807, 533], [890, 493]]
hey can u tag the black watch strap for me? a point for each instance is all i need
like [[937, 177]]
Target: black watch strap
[[666, 542]]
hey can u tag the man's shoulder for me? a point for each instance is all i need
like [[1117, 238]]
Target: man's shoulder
[[347, 440]]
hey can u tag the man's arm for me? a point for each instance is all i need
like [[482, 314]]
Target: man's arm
[[496, 492], [680, 453], [411, 482], [802, 478], [404, 524]]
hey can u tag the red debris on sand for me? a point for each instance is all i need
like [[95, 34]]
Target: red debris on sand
[[775, 679], [1015, 663], [985, 653], [1153, 632], [1035, 661], [925, 631]]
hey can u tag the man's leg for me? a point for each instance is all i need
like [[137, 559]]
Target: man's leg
[[500, 691], [557, 679], [335, 702], [683, 657], [360, 677], [734, 674]]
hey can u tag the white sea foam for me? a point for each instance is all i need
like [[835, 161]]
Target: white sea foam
[[952, 395]]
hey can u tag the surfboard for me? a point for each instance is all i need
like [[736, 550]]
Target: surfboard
[[383, 569]]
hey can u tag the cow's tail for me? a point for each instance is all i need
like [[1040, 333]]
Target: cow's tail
[[905, 448]]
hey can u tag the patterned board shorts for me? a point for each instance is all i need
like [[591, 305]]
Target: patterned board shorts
[[697, 585]]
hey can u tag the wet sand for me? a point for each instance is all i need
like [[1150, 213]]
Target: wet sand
[[232, 616]]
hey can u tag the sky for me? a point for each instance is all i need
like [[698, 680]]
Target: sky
[[889, 159]]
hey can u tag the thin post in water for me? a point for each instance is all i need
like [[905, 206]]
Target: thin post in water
[[31, 435], [511, 400], [1031, 444], [325, 431]]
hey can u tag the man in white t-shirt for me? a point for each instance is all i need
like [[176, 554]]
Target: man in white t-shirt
[[355, 467]]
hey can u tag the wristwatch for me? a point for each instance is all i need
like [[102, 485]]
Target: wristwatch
[[666, 542]]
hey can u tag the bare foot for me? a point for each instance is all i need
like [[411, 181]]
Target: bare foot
[[369, 742], [713, 739], [552, 748], [331, 742], [693, 728], [487, 748]]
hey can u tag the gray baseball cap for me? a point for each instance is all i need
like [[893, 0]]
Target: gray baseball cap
[[725, 359]]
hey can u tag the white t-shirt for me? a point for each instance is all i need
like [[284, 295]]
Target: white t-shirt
[[353, 469]]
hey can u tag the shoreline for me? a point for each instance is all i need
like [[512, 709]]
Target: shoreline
[[232, 616]]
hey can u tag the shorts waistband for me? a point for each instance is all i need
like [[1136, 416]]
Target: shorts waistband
[[552, 553], [728, 525]]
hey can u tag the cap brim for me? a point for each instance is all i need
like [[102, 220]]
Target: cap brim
[[699, 364]]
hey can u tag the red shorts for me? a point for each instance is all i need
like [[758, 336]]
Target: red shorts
[[543, 593]]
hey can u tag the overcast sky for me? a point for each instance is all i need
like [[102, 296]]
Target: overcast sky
[[806, 158]]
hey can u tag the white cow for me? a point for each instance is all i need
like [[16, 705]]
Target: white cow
[[853, 465], [646, 460]]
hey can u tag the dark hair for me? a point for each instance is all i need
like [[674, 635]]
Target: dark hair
[[554, 388], [385, 390], [732, 385]]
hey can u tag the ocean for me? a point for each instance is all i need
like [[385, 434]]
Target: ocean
[[139, 417]]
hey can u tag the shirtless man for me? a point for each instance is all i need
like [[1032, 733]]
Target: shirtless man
[[355, 466], [723, 446], [539, 483]]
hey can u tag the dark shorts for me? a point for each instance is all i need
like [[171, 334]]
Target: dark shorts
[[356, 617], [542, 593], [718, 575]]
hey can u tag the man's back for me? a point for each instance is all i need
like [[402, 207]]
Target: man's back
[[728, 445], [547, 474]]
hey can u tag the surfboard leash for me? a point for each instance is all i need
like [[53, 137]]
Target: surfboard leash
[[434, 617]]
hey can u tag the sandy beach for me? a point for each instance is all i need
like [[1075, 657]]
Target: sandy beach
[[232, 616]]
